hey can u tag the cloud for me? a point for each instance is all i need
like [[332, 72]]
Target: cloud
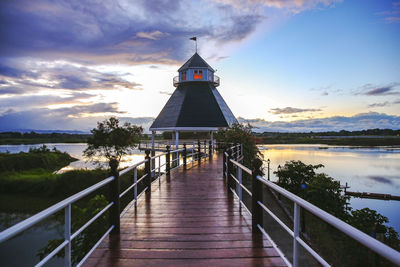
[[383, 104], [294, 6], [165, 93], [375, 90], [59, 75], [360, 121], [8, 71], [65, 118], [393, 15], [381, 179], [133, 32], [35, 101], [291, 110], [151, 35]]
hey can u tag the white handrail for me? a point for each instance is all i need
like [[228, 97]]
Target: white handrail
[[66, 204], [25, 224], [368, 241]]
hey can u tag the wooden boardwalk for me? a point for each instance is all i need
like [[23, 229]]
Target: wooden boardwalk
[[188, 221]]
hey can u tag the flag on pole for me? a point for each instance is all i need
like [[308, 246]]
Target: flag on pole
[[195, 40]]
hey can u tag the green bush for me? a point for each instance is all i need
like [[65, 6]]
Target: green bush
[[41, 158]]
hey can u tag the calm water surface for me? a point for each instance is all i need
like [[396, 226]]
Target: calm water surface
[[76, 151], [374, 170], [364, 169]]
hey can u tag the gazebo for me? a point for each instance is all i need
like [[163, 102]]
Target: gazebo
[[195, 105]]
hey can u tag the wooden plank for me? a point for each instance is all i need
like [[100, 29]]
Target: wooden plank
[[270, 261], [187, 245], [230, 253], [188, 220]]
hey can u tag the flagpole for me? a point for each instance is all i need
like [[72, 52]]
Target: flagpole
[[195, 40]]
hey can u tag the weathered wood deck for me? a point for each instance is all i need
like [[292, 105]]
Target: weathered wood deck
[[188, 221]]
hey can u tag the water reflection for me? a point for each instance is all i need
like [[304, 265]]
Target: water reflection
[[364, 169], [76, 151]]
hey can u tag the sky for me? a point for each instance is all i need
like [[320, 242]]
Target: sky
[[285, 65]]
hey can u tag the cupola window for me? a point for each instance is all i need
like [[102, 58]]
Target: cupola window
[[184, 76], [198, 74]]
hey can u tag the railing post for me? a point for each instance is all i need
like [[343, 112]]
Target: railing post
[[199, 152], [205, 147], [237, 155], [147, 170], [114, 197], [153, 164], [238, 186], [159, 170], [230, 171], [184, 156], [67, 235], [210, 150], [296, 230], [135, 187], [224, 165], [257, 217], [167, 162]]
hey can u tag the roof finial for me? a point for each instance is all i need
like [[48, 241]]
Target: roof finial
[[195, 40]]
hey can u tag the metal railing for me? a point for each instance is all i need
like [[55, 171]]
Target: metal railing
[[215, 81], [230, 164], [162, 145], [196, 155]]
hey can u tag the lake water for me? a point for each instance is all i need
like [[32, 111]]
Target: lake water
[[374, 170], [364, 169], [76, 151]]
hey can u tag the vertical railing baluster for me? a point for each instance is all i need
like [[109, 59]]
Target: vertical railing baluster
[[147, 169], [193, 155], [159, 170], [184, 155], [239, 174], [229, 171], [296, 231], [224, 165], [210, 151], [205, 147], [167, 163], [67, 235], [257, 195], [135, 187], [199, 152], [114, 197]]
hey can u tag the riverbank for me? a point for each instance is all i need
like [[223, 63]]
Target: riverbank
[[332, 140]]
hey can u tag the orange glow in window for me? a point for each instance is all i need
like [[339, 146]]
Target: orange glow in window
[[198, 74], [184, 76]]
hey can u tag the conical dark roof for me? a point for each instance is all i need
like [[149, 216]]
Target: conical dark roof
[[194, 106], [196, 61]]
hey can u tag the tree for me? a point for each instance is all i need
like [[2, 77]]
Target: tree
[[317, 188], [112, 141], [241, 134]]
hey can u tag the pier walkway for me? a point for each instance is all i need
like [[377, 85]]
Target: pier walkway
[[188, 221]]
